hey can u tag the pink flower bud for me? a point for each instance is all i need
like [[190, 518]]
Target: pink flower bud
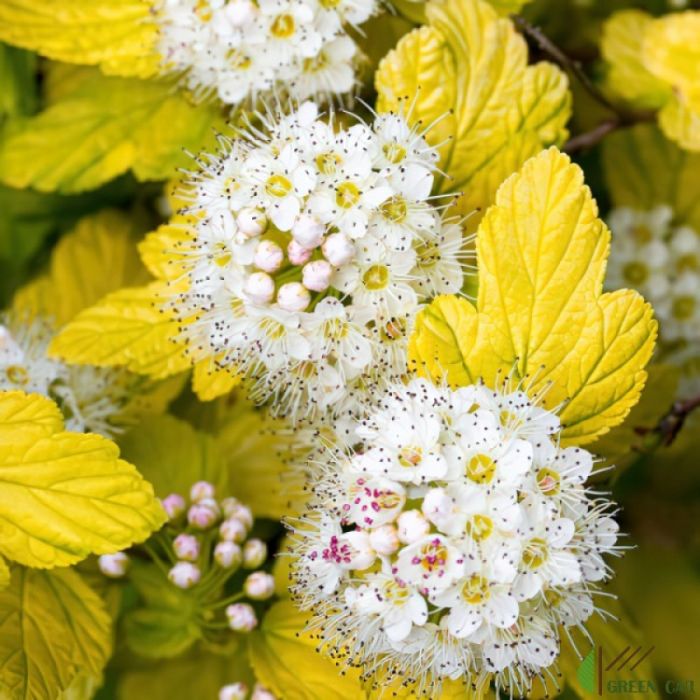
[[202, 516], [412, 526], [259, 287], [227, 504], [338, 249], [297, 254], [268, 256], [293, 296], [259, 586], [186, 547], [174, 505], [114, 565], [200, 490], [308, 231], [251, 222], [242, 513], [384, 540], [241, 617], [254, 553], [184, 574], [316, 275], [228, 555], [233, 530], [262, 693], [234, 691]]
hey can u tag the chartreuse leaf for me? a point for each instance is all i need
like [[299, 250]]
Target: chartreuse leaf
[[118, 35], [27, 417], [209, 380], [18, 80], [96, 257], [540, 313], [4, 574], [101, 129], [643, 170], [285, 660], [53, 629], [66, 495], [467, 75], [128, 327]]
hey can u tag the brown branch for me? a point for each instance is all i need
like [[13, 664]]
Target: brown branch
[[667, 429], [590, 138]]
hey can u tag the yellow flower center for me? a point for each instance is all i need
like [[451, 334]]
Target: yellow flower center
[[433, 555], [17, 375], [481, 469], [479, 527], [687, 262], [328, 163], [395, 209], [394, 152], [548, 480], [552, 597], [475, 590], [231, 185], [683, 308], [283, 27], [273, 329], [238, 60], [203, 11], [535, 553], [376, 277], [395, 593], [510, 419], [428, 253], [347, 195], [221, 255], [635, 272], [316, 63], [410, 456], [393, 330], [278, 186], [642, 233]]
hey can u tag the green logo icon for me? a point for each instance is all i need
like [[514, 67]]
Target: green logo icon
[[586, 672]]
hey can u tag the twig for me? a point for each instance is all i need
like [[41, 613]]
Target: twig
[[667, 429], [590, 138]]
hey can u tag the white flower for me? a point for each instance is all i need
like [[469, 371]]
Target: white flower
[[431, 564]]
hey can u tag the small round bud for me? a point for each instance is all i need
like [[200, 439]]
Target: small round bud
[[297, 254], [228, 504], [308, 231], [228, 555], [241, 617], [174, 505], [184, 574], [114, 565], [254, 553], [268, 256], [259, 287], [316, 275], [259, 586], [338, 249], [202, 516], [186, 547], [412, 526], [293, 296], [239, 12], [234, 691], [201, 490], [251, 222], [262, 693], [242, 513], [384, 540], [233, 530]]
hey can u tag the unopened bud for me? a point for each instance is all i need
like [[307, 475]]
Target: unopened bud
[[316, 275], [308, 231], [114, 565], [338, 249], [242, 513], [201, 490], [254, 553], [297, 254], [268, 256], [186, 547], [412, 526], [202, 516], [259, 287], [174, 505], [240, 12], [184, 574], [293, 296], [228, 504], [262, 693], [234, 691], [259, 586], [228, 555], [241, 617], [384, 539], [251, 222], [233, 530]]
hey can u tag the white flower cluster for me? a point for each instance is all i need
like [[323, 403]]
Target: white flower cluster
[[240, 49], [92, 399], [311, 248], [452, 539], [663, 263]]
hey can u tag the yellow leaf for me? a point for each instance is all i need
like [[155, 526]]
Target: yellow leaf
[[507, 7], [622, 47], [471, 61], [681, 123], [285, 660], [164, 252], [4, 574], [540, 313], [127, 328], [643, 170], [27, 417], [53, 630], [97, 257], [69, 495], [118, 35], [103, 128], [210, 381]]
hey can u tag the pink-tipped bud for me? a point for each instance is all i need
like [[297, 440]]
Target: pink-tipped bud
[[297, 254], [316, 275], [293, 296], [174, 505], [338, 249], [228, 555], [259, 287], [384, 540], [412, 526], [308, 231], [268, 256], [254, 553], [242, 513], [241, 617], [262, 693], [228, 504], [202, 516], [186, 547], [114, 565], [201, 490], [234, 691], [251, 222], [259, 586], [184, 574], [233, 530]]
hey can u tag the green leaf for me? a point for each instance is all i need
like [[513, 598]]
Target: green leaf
[[99, 131], [53, 628], [18, 80]]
